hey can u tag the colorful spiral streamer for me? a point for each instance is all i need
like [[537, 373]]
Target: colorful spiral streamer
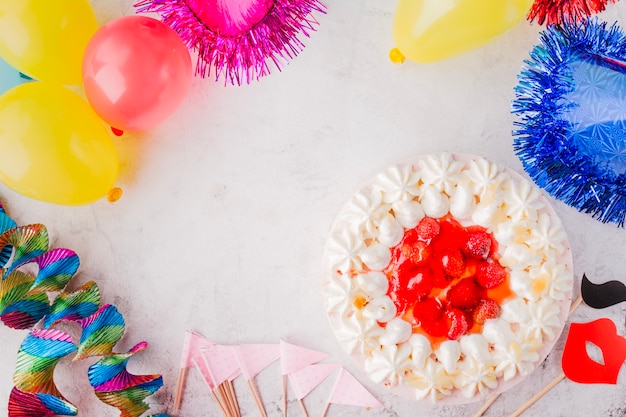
[[37, 358], [26, 404], [101, 331], [74, 306], [24, 302], [115, 386]]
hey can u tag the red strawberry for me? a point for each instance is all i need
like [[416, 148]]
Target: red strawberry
[[417, 252], [439, 278], [452, 262], [465, 294], [478, 245], [436, 328], [405, 289], [429, 309], [460, 323], [490, 274], [485, 310], [427, 229], [420, 284]]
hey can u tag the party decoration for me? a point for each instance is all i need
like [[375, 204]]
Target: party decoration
[[74, 306], [54, 147], [115, 386], [20, 309], [222, 367], [24, 302], [136, 71], [347, 390], [292, 359], [39, 354], [29, 242], [308, 378], [56, 268], [26, 404], [101, 331], [431, 30], [579, 367], [46, 40], [602, 295], [238, 40], [556, 12], [252, 359], [192, 349], [570, 132], [9, 77]]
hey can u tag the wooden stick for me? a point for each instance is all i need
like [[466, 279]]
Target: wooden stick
[[182, 377], [257, 398], [538, 395], [285, 395], [303, 407], [484, 408], [230, 389], [225, 400], [224, 410], [326, 409]]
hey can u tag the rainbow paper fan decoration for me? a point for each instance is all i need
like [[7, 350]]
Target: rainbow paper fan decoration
[[555, 12], [571, 104], [238, 40], [24, 302]]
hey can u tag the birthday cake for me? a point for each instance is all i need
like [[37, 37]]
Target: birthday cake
[[447, 278]]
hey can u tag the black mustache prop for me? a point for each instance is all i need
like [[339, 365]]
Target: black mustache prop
[[602, 295]]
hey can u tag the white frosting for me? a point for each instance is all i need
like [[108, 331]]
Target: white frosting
[[531, 244], [462, 202], [376, 256], [381, 309], [435, 203], [396, 331], [441, 171], [398, 183], [374, 284], [390, 231], [408, 213], [448, 354], [421, 349], [343, 250]]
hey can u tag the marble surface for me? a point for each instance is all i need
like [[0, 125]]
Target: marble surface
[[227, 205]]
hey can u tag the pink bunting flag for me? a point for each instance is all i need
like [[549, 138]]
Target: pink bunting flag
[[349, 391], [192, 348], [253, 358], [306, 379], [294, 358], [221, 363], [203, 368]]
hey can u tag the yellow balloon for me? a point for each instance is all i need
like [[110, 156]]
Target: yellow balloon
[[53, 147], [46, 39], [433, 30]]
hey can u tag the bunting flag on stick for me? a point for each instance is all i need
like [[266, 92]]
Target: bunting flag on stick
[[252, 359], [192, 348], [308, 378], [222, 366], [292, 359], [348, 391]]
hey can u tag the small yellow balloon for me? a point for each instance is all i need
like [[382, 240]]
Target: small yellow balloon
[[433, 30], [46, 39], [53, 147]]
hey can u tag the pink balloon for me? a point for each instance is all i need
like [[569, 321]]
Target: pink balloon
[[136, 71]]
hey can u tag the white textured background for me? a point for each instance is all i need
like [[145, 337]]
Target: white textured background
[[227, 206]]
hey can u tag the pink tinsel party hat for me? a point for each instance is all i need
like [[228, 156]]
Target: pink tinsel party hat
[[237, 39]]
